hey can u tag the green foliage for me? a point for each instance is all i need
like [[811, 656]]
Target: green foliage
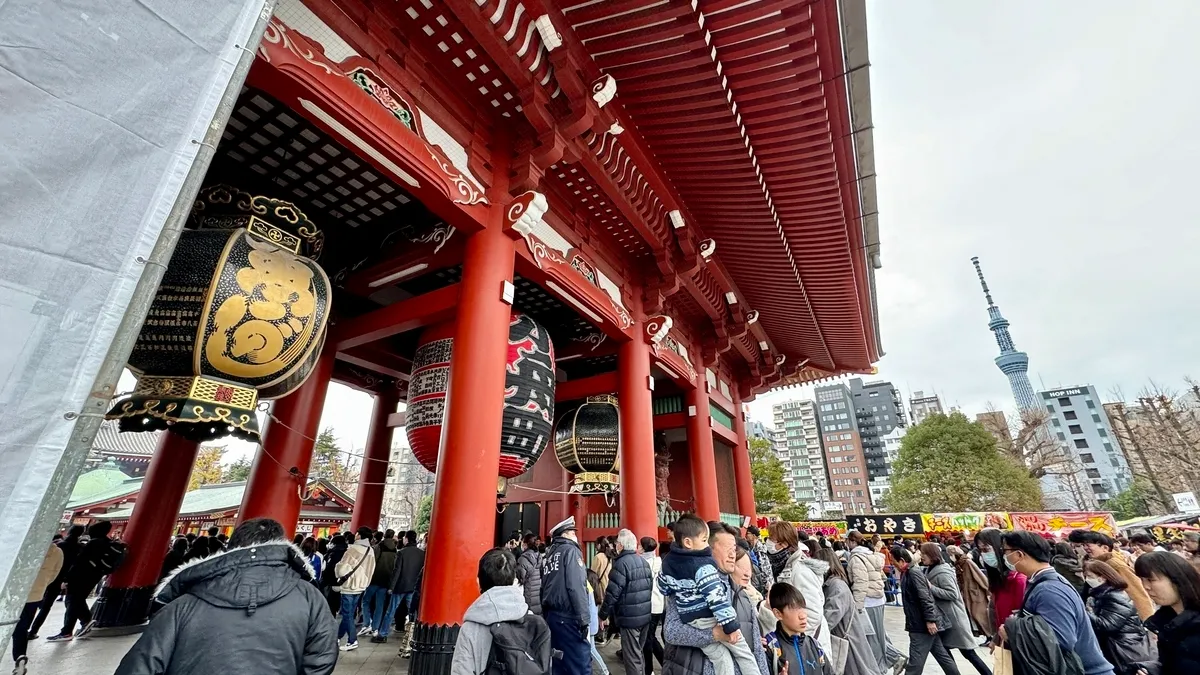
[[424, 514], [331, 464], [794, 513], [770, 492], [237, 472], [948, 463], [1131, 502]]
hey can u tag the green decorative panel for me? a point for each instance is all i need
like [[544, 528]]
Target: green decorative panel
[[720, 416], [668, 405]]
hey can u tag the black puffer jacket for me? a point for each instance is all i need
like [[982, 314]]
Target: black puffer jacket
[[1118, 629], [919, 605], [385, 563], [1178, 642], [529, 573], [254, 607], [630, 586]]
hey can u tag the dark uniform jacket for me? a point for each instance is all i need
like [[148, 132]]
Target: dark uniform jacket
[[564, 581], [630, 586], [246, 610]]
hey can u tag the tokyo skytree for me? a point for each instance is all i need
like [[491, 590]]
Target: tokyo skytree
[[1011, 362]]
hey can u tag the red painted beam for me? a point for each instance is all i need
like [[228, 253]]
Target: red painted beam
[[422, 310], [669, 421], [723, 433], [572, 390]]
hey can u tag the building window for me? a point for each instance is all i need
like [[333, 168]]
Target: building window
[[1049, 408], [1093, 473], [1062, 436], [1064, 401], [1081, 442], [1091, 403], [1103, 433], [1070, 415], [1087, 458], [1096, 418], [1056, 422], [1075, 429]]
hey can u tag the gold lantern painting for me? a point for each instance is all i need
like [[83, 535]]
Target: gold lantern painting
[[587, 443], [240, 316]]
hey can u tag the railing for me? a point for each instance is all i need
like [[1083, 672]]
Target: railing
[[669, 516], [603, 520], [733, 519]]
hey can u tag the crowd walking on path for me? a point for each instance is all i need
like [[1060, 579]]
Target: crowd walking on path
[[713, 600]]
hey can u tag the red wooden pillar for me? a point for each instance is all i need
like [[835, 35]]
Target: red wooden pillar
[[368, 502], [700, 451], [280, 468], [462, 526], [639, 502], [125, 600], [741, 459]]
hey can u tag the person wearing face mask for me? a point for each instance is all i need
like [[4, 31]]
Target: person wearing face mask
[[1122, 637], [565, 600], [1174, 585], [1006, 586]]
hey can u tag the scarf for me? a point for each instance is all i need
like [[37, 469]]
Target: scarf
[[778, 561]]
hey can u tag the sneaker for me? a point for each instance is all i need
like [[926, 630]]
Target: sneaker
[[898, 666], [22, 663], [365, 630], [32, 636], [379, 639], [349, 646], [61, 637], [86, 630]]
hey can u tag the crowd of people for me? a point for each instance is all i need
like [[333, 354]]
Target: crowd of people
[[712, 601]]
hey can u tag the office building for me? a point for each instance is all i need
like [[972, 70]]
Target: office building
[[878, 409], [756, 429], [997, 425], [845, 462], [1094, 469], [922, 406], [891, 452], [797, 444]]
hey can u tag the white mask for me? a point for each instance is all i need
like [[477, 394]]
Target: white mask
[[1093, 581], [770, 546]]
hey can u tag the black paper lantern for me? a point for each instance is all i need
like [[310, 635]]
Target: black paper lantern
[[587, 443], [239, 316], [528, 395]]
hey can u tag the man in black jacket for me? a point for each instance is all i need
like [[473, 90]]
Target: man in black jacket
[[923, 620], [96, 560], [564, 600], [406, 579], [253, 605], [627, 601]]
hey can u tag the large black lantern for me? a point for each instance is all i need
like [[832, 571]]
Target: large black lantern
[[587, 443], [240, 315]]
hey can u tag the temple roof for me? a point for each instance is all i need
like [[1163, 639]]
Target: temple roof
[[110, 441], [223, 497], [102, 484]]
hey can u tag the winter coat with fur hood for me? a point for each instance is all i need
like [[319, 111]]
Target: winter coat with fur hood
[[255, 607]]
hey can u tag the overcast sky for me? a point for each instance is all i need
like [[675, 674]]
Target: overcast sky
[[1057, 142]]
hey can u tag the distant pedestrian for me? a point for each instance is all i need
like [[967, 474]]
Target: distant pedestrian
[[923, 620], [175, 557], [309, 548], [653, 649], [354, 572], [628, 600], [943, 584], [378, 604], [98, 558], [844, 619], [199, 549], [51, 565], [337, 549], [1174, 585], [70, 547], [406, 581], [529, 573], [252, 609]]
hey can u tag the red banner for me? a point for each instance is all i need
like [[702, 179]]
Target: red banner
[[1059, 524]]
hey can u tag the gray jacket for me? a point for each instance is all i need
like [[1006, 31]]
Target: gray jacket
[[500, 603], [255, 607], [847, 622], [682, 655], [529, 573], [944, 586]]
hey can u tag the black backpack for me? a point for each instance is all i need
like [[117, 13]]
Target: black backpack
[[520, 647]]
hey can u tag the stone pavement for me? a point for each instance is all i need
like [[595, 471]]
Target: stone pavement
[[98, 656]]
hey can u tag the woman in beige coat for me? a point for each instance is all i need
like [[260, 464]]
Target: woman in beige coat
[[974, 587], [51, 565]]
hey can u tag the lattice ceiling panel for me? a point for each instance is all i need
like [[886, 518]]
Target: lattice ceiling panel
[[462, 60], [577, 185]]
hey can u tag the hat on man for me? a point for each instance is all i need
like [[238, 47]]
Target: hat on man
[[563, 527]]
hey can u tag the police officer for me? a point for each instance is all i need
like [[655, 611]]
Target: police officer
[[564, 600]]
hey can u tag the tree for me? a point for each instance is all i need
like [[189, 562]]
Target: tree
[[770, 492], [1035, 447], [793, 513], [237, 472], [1132, 502], [948, 463], [330, 463], [207, 469], [424, 514]]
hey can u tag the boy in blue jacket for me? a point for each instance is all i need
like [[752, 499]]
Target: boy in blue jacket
[[801, 653], [702, 596]]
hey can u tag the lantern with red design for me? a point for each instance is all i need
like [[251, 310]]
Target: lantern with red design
[[528, 395]]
